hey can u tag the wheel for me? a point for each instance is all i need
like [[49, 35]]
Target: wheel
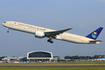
[[7, 31], [49, 41]]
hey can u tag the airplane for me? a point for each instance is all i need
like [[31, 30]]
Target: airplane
[[41, 32]]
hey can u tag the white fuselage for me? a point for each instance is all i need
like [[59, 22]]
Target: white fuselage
[[31, 29]]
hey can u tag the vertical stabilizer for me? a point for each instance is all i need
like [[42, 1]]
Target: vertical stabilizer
[[95, 33]]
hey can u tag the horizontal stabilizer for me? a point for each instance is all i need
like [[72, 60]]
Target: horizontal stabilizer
[[95, 41]]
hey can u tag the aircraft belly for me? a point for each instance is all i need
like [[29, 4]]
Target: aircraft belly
[[73, 40]]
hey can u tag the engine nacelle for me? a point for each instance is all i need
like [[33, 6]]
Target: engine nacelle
[[39, 34], [58, 37]]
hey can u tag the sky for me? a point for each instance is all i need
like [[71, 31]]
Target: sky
[[84, 16]]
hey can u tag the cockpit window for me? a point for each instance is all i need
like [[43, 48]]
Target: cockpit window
[[4, 22]]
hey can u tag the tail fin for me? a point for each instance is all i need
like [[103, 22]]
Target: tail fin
[[95, 33]]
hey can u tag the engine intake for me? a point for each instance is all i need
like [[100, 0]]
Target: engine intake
[[39, 34]]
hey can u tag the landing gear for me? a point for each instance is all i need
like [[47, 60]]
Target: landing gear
[[7, 30], [50, 40]]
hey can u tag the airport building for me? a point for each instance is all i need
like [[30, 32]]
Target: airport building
[[34, 56], [40, 56], [14, 60]]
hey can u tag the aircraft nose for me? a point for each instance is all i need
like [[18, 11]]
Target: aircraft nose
[[3, 23]]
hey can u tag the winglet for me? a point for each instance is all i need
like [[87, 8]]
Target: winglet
[[95, 33], [68, 29]]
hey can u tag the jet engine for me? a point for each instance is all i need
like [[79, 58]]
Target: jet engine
[[58, 37], [39, 34]]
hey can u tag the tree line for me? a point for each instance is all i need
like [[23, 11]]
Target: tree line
[[84, 57], [2, 57]]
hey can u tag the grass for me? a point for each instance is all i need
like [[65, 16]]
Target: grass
[[77, 63], [71, 68], [50, 64]]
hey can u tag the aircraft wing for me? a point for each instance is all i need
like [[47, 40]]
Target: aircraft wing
[[54, 33]]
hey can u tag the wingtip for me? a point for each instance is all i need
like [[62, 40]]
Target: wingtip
[[70, 28]]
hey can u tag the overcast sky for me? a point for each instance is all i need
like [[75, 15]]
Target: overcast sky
[[84, 16]]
